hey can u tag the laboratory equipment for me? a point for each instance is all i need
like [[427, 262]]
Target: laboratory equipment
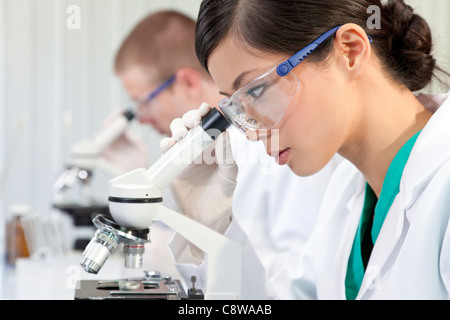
[[72, 194], [107, 238], [152, 286], [136, 201], [16, 244]]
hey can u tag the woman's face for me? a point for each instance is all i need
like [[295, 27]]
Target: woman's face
[[317, 119]]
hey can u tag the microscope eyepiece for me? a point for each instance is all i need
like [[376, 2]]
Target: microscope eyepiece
[[129, 114], [214, 121]]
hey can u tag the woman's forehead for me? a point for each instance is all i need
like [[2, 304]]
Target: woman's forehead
[[231, 66]]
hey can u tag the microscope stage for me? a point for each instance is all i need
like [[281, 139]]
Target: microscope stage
[[130, 289]]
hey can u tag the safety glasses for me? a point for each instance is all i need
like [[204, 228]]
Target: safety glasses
[[262, 103], [157, 91]]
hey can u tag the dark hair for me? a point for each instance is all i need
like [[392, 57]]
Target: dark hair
[[403, 42]]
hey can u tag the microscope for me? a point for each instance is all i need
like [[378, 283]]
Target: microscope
[[135, 202], [85, 157]]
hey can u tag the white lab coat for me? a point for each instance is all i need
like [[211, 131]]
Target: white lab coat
[[275, 208], [274, 213], [411, 257]]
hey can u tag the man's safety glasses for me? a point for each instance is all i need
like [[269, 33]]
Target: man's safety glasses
[[157, 91], [262, 103]]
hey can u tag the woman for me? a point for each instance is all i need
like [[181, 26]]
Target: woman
[[383, 228]]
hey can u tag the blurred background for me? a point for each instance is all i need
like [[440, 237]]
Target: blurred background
[[57, 86]]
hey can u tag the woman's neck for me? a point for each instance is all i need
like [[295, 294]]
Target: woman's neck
[[387, 118]]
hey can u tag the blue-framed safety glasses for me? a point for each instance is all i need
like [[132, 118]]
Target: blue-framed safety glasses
[[262, 103], [158, 90]]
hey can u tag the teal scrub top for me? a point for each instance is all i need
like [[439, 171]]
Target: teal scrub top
[[372, 218]]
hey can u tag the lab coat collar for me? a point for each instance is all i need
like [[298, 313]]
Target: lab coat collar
[[428, 154], [430, 151]]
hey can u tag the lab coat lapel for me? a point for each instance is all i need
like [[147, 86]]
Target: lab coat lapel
[[354, 210], [425, 159], [386, 243], [386, 247], [427, 155], [335, 230]]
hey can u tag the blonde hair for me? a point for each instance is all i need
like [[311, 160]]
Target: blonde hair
[[163, 41]]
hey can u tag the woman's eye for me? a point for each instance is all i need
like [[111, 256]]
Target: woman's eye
[[256, 92]]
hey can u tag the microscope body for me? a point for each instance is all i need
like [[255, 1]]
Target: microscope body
[[135, 202]]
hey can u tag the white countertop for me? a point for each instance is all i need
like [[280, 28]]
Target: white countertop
[[55, 279]]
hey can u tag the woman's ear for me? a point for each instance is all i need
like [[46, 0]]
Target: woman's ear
[[352, 49]]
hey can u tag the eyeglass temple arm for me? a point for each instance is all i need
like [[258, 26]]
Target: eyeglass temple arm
[[163, 86], [285, 67]]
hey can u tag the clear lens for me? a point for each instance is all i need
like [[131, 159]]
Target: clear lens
[[262, 103]]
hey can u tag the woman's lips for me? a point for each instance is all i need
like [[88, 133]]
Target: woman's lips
[[283, 157]]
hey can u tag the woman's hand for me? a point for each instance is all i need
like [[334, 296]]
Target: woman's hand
[[204, 190]]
